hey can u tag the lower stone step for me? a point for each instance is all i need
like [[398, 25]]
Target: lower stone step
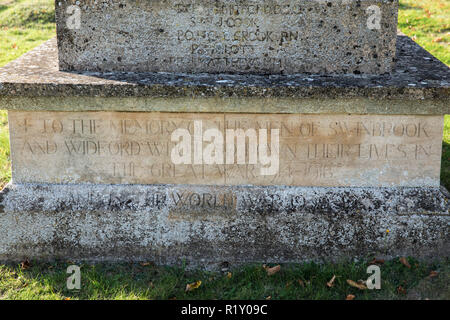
[[209, 226]]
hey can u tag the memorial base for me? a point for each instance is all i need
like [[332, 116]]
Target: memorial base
[[94, 178]]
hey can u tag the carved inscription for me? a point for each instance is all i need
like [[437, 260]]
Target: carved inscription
[[231, 35], [238, 36], [138, 148]]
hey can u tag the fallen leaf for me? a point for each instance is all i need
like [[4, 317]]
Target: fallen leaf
[[229, 275], [193, 286], [330, 283], [433, 274], [401, 290], [350, 297], [25, 264], [405, 262], [354, 284], [145, 264], [301, 283], [272, 271], [269, 298], [66, 298], [376, 261]]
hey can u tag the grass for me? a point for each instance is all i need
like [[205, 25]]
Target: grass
[[25, 24], [5, 164], [428, 23], [300, 281]]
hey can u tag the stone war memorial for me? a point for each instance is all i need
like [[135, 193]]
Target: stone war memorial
[[225, 132]]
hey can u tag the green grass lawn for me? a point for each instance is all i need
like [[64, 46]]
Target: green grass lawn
[[25, 24], [428, 23], [5, 166], [301, 281]]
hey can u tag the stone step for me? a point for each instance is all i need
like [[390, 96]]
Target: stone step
[[209, 227]]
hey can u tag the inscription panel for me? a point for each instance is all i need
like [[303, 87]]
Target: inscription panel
[[234, 36], [225, 149]]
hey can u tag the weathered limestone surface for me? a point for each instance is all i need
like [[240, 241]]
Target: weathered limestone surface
[[232, 36], [313, 150], [208, 226]]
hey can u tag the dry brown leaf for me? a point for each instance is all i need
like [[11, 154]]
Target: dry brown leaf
[[273, 270], [405, 262], [268, 297], [301, 283], [401, 290], [433, 274], [350, 297], [145, 264], [354, 284], [376, 261], [229, 275], [330, 283], [25, 264], [193, 286]]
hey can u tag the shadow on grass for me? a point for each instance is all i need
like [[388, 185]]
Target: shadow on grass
[[445, 166], [403, 6]]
